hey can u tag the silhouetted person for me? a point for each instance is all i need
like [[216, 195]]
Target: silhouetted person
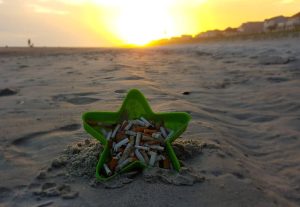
[[30, 44]]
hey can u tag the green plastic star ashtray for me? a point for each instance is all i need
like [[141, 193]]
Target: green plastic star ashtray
[[134, 106]]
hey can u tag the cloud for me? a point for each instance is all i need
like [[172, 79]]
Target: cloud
[[47, 10]]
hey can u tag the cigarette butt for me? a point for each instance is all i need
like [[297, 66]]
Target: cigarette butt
[[115, 131], [123, 164], [147, 123], [138, 122], [156, 135], [108, 135], [150, 131], [131, 140], [160, 157], [138, 129], [157, 126], [113, 163], [120, 135], [154, 142], [170, 134], [128, 126], [126, 153], [142, 148], [121, 149], [107, 170], [166, 163], [119, 144], [123, 125], [163, 132], [139, 155], [146, 158], [103, 131], [118, 156], [130, 133], [147, 138], [152, 158], [157, 147], [138, 139]]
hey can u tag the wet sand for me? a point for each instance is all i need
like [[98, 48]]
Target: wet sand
[[243, 96]]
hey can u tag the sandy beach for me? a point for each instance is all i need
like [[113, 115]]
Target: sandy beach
[[242, 143]]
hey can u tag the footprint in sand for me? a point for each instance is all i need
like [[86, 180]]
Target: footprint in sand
[[5, 193], [24, 140], [76, 98], [120, 91]]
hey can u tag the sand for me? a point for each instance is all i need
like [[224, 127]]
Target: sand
[[241, 147]]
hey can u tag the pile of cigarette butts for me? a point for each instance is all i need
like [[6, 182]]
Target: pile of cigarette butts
[[133, 140]]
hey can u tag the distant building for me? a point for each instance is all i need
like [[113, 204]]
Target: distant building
[[230, 32], [293, 22], [210, 34], [186, 37], [251, 27], [274, 23], [281, 26]]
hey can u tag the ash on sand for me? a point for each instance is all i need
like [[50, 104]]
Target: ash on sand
[[80, 160]]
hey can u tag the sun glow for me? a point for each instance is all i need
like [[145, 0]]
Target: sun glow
[[139, 22]]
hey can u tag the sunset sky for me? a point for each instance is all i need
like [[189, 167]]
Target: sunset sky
[[118, 22]]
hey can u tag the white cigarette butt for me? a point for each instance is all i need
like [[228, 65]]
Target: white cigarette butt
[[129, 125], [142, 148], [138, 138], [126, 153], [145, 156], [138, 122], [157, 147], [152, 158], [147, 123], [120, 143], [156, 135], [163, 132], [108, 135], [107, 170], [139, 155], [130, 133], [123, 164], [115, 131], [170, 134], [160, 157]]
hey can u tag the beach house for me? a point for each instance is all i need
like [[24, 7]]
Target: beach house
[[251, 27], [293, 22], [275, 23], [210, 33], [230, 32]]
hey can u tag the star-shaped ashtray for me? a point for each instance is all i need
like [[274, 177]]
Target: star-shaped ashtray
[[135, 137]]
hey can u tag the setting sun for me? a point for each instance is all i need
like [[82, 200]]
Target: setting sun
[[140, 22], [137, 22]]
